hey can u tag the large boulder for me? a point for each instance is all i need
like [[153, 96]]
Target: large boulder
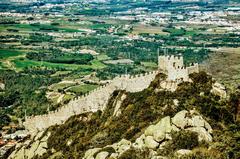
[[203, 135], [20, 154], [208, 127], [139, 143], [159, 135], [162, 128], [151, 143], [89, 153], [31, 152], [150, 130], [102, 155], [180, 119], [196, 121], [45, 138], [122, 146], [219, 90], [163, 145], [113, 156], [159, 130], [165, 124], [42, 148], [174, 128], [183, 152], [39, 135]]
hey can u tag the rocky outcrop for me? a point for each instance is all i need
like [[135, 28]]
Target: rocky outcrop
[[155, 137], [151, 143], [90, 153], [32, 147], [183, 152], [122, 146], [203, 135], [180, 120], [102, 155], [118, 103], [140, 142], [219, 90], [158, 135]]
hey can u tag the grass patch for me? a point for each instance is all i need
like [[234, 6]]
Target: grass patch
[[83, 88], [96, 64], [67, 98], [100, 26], [148, 29], [191, 32], [103, 57], [4, 54], [24, 63], [43, 27], [149, 64], [60, 86], [175, 31]]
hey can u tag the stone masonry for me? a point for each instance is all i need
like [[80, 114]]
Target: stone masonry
[[97, 99]]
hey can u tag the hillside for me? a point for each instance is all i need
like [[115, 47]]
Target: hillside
[[190, 122]]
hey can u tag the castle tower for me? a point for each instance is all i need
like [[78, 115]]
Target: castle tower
[[164, 62], [174, 67]]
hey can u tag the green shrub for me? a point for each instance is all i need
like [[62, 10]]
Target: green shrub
[[203, 153], [184, 140], [135, 154]]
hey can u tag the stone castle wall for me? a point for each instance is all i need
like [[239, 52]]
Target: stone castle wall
[[93, 101], [193, 68], [167, 62], [174, 67], [97, 99]]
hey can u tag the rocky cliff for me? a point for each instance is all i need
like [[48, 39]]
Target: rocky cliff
[[189, 122]]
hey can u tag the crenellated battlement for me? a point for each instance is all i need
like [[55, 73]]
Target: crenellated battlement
[[174, 67], [90, 102], [97, 99]]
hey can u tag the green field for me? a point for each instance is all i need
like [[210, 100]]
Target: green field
[[142, 29], [40, 27], [83, 88], [4, 54], [24, 63], [175, 31], [149, 64], [60, 86], [103, 57], [100, 26]]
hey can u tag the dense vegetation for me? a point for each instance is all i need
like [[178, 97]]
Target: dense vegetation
[[58, 57], [24, 93], [42, 50], [140, 109]]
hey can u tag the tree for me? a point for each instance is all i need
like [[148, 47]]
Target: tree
[[4, 120], [234, 105]]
